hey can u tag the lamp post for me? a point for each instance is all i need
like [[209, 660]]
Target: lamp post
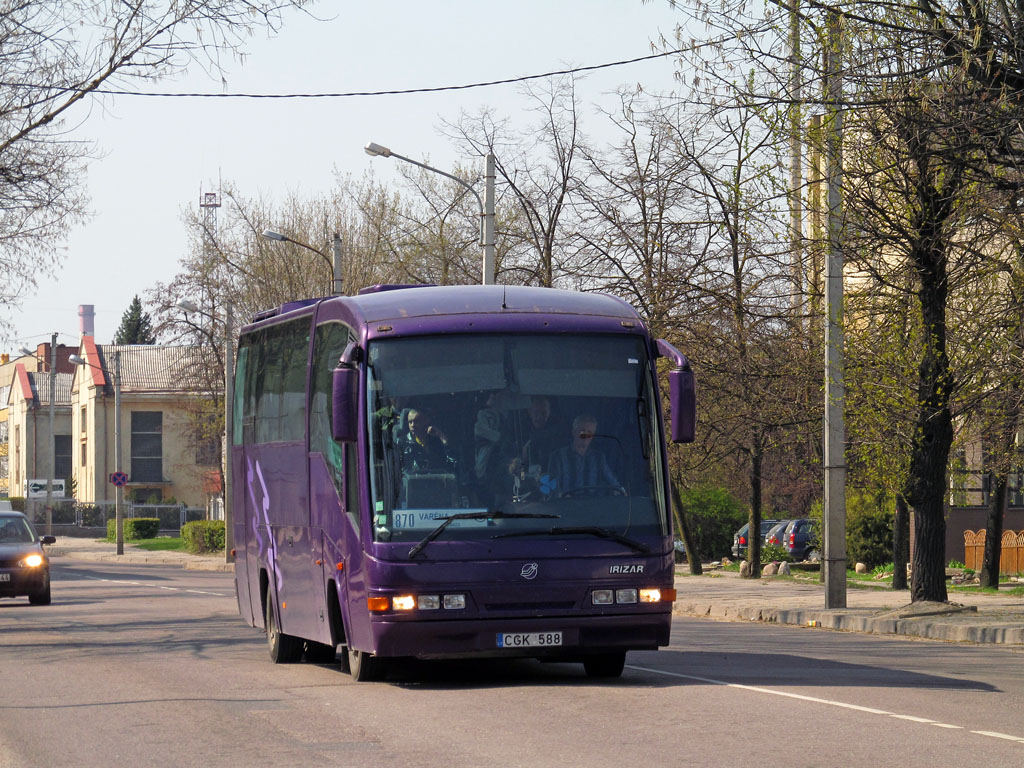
[[486, 204], [118, 490], [229, 425], [334, 263], [52, 441]]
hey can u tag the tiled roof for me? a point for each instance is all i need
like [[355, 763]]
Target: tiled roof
[[153, 368], [40, 383]]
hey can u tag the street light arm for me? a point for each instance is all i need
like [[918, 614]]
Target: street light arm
[[272, 235], [456, 179]]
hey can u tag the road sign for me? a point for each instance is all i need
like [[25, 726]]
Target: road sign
[[119, 479], [37, 488]]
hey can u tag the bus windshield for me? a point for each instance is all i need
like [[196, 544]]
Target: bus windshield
[[501, 436]]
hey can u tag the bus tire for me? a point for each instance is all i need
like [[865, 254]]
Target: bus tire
[[284, 649], [363, 667], [605, 664]]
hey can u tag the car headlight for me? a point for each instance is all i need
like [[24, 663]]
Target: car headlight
[[32, 561]]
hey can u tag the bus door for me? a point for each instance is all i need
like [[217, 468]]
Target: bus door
[[241, 529]]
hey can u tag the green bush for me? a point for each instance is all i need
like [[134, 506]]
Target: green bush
[[714, 516], [134, 528], [203, 536], [869, 519], [17, 503], [775, 553]]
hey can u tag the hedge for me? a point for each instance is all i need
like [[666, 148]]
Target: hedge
[[203, 536], [134, 528]]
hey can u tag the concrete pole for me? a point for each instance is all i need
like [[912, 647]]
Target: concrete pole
[[488, 223], [835, 390], [53, 442], [336, 264], [229, 400], [119, 490], [796, 164]]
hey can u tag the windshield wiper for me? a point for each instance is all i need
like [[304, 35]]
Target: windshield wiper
[[446, 521], [603, 533]]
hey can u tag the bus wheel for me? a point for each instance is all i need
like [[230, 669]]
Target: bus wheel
[[605, 664], [284, 649], [363, 666]]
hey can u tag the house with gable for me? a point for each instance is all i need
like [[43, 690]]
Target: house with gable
[[166, 452], [28, 429]]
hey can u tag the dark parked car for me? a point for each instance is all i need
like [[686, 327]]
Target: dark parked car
[[800, 538], [774, 535], [739, 539], [24, 567]]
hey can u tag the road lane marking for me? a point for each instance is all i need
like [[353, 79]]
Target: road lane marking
[[829, 702], [155, 586]]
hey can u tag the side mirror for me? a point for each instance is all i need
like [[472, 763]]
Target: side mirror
[[48, 540], [344, 402], [682, 394]]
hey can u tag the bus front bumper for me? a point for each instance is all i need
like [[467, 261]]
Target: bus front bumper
[[576, 636]]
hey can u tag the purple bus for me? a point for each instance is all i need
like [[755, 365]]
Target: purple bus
[[446, 472]]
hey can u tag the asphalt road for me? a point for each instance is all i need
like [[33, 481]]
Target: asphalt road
[[150, 665]]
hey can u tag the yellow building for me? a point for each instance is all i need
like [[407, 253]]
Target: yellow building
[[163, 397]]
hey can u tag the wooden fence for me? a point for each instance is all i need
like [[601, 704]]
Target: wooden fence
[[1011, 555]]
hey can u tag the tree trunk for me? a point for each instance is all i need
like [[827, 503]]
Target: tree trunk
[[683, 526], [900, 543], [754, 523], [933, 433], [994, 530]]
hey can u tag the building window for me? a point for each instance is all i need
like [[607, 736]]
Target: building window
[[147, 447], [85, 452], [84, 420], [62, 457]]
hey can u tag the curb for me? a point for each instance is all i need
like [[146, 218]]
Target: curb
[[189, 564], [852, 621]]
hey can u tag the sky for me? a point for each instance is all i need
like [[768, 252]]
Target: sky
[[158, 155]]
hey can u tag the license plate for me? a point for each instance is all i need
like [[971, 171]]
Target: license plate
[[5, 577], [528, 639]]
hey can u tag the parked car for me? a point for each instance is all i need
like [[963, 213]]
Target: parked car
[[800, 538], [774, 535], [24, 566], [739, 539]]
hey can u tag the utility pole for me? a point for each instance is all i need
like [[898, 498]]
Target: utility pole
[[52, 440], [835, 390], [229, 400], [336, 264], [795, 164], [488, 223], [119, 490]]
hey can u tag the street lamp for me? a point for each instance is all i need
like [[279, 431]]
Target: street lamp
[[486, 204], [334, 264], [52, 441], [118, 489], [229, 425]]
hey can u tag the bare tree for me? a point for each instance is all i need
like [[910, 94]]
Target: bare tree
[[55, 58]]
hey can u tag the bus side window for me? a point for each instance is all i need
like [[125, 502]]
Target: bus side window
[[330, 341]]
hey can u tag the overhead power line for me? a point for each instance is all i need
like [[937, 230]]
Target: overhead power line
[[397, 92]]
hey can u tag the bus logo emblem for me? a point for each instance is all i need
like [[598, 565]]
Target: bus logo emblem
[[529, 571]]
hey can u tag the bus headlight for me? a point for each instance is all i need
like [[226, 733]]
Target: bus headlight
[[454, 602], [602, 597], [657, 595], [403, 603], [428, 602], [626, 596]]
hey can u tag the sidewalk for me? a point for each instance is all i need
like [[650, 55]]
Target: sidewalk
[[724, 595], [91, 549]]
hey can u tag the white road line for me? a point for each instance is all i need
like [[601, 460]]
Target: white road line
[[155, 586], [829, 702]]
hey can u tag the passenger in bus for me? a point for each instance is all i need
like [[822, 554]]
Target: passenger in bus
[[579, 466], [543, 441], [423, 446]]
